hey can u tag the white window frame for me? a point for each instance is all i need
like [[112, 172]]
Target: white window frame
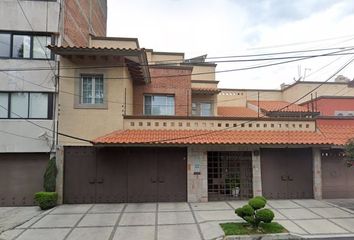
[[93, 90]]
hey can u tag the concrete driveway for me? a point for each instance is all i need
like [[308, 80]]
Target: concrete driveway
[[174, 221]]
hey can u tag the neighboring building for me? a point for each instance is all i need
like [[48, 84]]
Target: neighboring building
[[28, 90], [167, 133]]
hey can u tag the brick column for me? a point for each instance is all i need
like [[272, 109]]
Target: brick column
[[197, 174], [317, 173], [256, 171], [60, 175]]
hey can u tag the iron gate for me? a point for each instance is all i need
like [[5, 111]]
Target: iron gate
[[229, 175]]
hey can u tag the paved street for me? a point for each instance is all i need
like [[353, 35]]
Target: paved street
[[174, 221]]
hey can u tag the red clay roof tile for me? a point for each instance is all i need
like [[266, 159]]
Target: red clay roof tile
[[186, 137], [336, 131], [278, 105]]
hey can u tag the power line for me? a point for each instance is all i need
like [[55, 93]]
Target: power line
[[45, 128], [249, 121], [220, 61], [230, 70]]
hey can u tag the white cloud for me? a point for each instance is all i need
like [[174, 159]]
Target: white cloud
[[226, 27]]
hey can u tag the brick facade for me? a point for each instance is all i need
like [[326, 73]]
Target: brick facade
[[179, 86], [81, 18]]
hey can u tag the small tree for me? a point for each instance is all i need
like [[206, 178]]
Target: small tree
[[349, 152], [254, 212], [50, 176]]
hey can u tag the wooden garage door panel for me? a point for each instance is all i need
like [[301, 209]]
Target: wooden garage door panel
[[21, 175], [337, 178], [111, 175], [80, 175], [287, 173], [142, 175], [172, 175]]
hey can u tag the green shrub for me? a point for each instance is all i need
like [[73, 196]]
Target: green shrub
[[261, 197], [265, 215], [246, 210], [253, 213], [50, 176], [257, 203], [46, 200]]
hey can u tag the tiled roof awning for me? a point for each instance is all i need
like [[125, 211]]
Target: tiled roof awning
[[136, 59], [206, 91], [337, 131], [191, 137]]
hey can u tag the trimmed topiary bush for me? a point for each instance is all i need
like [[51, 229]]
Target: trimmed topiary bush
[[50, 176], [261, 197], [265, 215], [257, 203], [46, 200], [253, 212]]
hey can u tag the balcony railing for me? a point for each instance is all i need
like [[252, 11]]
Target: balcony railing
[[217, 123]]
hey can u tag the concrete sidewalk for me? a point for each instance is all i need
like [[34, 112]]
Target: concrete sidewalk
[[174, 221]]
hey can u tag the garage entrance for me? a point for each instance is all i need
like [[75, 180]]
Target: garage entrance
[[107, 175], [21, 176], [287, 173], [337, 177], [229, 175]]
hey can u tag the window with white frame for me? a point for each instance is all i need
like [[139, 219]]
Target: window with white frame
[[202, 109], [159, 105], [92, 89]]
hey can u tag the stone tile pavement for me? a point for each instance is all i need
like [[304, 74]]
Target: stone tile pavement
[[174, 221]]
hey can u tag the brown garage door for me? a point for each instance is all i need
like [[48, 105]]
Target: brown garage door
[[337, 178], [287, 173], [21, 175], [124, 174]]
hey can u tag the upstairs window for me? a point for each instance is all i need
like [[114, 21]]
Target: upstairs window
[[92, 91], [202, 109], [28, 105], [159, 105], [24, 46], [5, 43]]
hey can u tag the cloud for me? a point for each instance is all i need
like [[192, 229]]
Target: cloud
[[234, 27]]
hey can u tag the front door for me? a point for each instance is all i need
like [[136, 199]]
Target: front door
[[287, 173]]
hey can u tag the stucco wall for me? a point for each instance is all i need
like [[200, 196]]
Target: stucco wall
[[30, 138], [95, 122], [330, 89], [12, 18], [239, 98]]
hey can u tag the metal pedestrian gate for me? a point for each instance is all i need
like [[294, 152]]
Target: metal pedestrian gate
[[113, 174]]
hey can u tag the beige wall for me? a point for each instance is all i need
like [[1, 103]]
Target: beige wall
[[91, 123], [203, 69], [113, 43], [330, 89], [168, 58], [239, 98]]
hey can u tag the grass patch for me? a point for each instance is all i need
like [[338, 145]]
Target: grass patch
[[246, 229]]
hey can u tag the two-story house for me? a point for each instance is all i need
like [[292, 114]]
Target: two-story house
[[152, 126], [28, 85]]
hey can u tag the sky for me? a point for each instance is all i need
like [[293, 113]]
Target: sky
[[237, 27]]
